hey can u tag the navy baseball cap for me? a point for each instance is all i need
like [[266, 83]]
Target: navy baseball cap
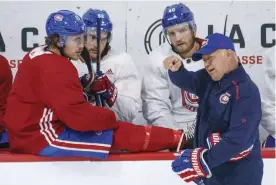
[[212, 43]]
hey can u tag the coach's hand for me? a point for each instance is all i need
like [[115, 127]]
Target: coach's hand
[[172, 63]]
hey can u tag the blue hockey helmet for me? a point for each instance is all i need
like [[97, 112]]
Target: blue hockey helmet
[[64, 23], [90, 19], [176, 14]]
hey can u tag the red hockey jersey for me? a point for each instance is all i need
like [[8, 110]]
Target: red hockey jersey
[[5, 87], [46, 96]]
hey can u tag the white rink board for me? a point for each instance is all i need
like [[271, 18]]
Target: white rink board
[[102, 173], [132, 19]]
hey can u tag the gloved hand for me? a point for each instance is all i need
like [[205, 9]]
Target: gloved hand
[[191, 165], [86, 81], [215, 138], [269, 142], [103, 87], [89, 97]]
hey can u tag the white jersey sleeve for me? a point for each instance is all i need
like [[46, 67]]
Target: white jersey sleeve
[[157, 106], [128, 83], [164, 104], [268, 94], [120, 70]]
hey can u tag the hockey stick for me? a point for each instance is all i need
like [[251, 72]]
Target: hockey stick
[[98, 44], [98, 98], [86, 58]]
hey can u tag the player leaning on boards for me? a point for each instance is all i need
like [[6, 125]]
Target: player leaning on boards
[[46, 111], [227, 147], [5, 87], [165, 104], [119, 77]]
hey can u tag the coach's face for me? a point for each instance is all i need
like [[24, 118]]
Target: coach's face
[[216, 64], [182, 37], [91, 43]]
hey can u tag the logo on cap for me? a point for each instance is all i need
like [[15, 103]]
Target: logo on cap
[[204, 43], [58, 17]]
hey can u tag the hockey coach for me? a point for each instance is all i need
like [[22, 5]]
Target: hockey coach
[[227, 149]]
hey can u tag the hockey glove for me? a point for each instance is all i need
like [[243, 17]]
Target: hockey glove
[[103, 87], [215, 138], [86, 81], [269, 142], [88, 97], [191, 165]]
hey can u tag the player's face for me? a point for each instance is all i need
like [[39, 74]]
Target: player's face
[[74, 46], [181, 36], [91, 43], [216, 64]]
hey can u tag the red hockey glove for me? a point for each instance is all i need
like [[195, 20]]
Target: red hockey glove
[[215, 138], [104, 88], [191, 165], [86, 81]]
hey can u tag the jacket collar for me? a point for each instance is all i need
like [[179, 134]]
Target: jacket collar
[[232, 78]]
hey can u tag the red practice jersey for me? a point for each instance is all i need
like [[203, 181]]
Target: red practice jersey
[[5, 87], [46, 96]]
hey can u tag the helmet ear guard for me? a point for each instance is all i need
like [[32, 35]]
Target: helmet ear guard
[[54, 40]]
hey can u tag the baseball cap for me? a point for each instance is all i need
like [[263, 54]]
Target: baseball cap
[[212, 43]]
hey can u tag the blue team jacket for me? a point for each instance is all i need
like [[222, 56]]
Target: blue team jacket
[[232, 107]]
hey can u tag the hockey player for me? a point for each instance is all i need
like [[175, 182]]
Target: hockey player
[[227, 147], [268, 97], [47, 114], [119, 84], [165, 104], [5, 87]]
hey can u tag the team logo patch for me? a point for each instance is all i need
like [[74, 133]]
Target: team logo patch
[[58, 17], [189, 100], [109, 72], [224, 98]]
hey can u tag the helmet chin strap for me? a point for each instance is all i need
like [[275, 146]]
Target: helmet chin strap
[[61, 49], [50, 42]]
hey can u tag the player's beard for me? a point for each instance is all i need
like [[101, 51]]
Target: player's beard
[[188, 46], [104, 52]]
